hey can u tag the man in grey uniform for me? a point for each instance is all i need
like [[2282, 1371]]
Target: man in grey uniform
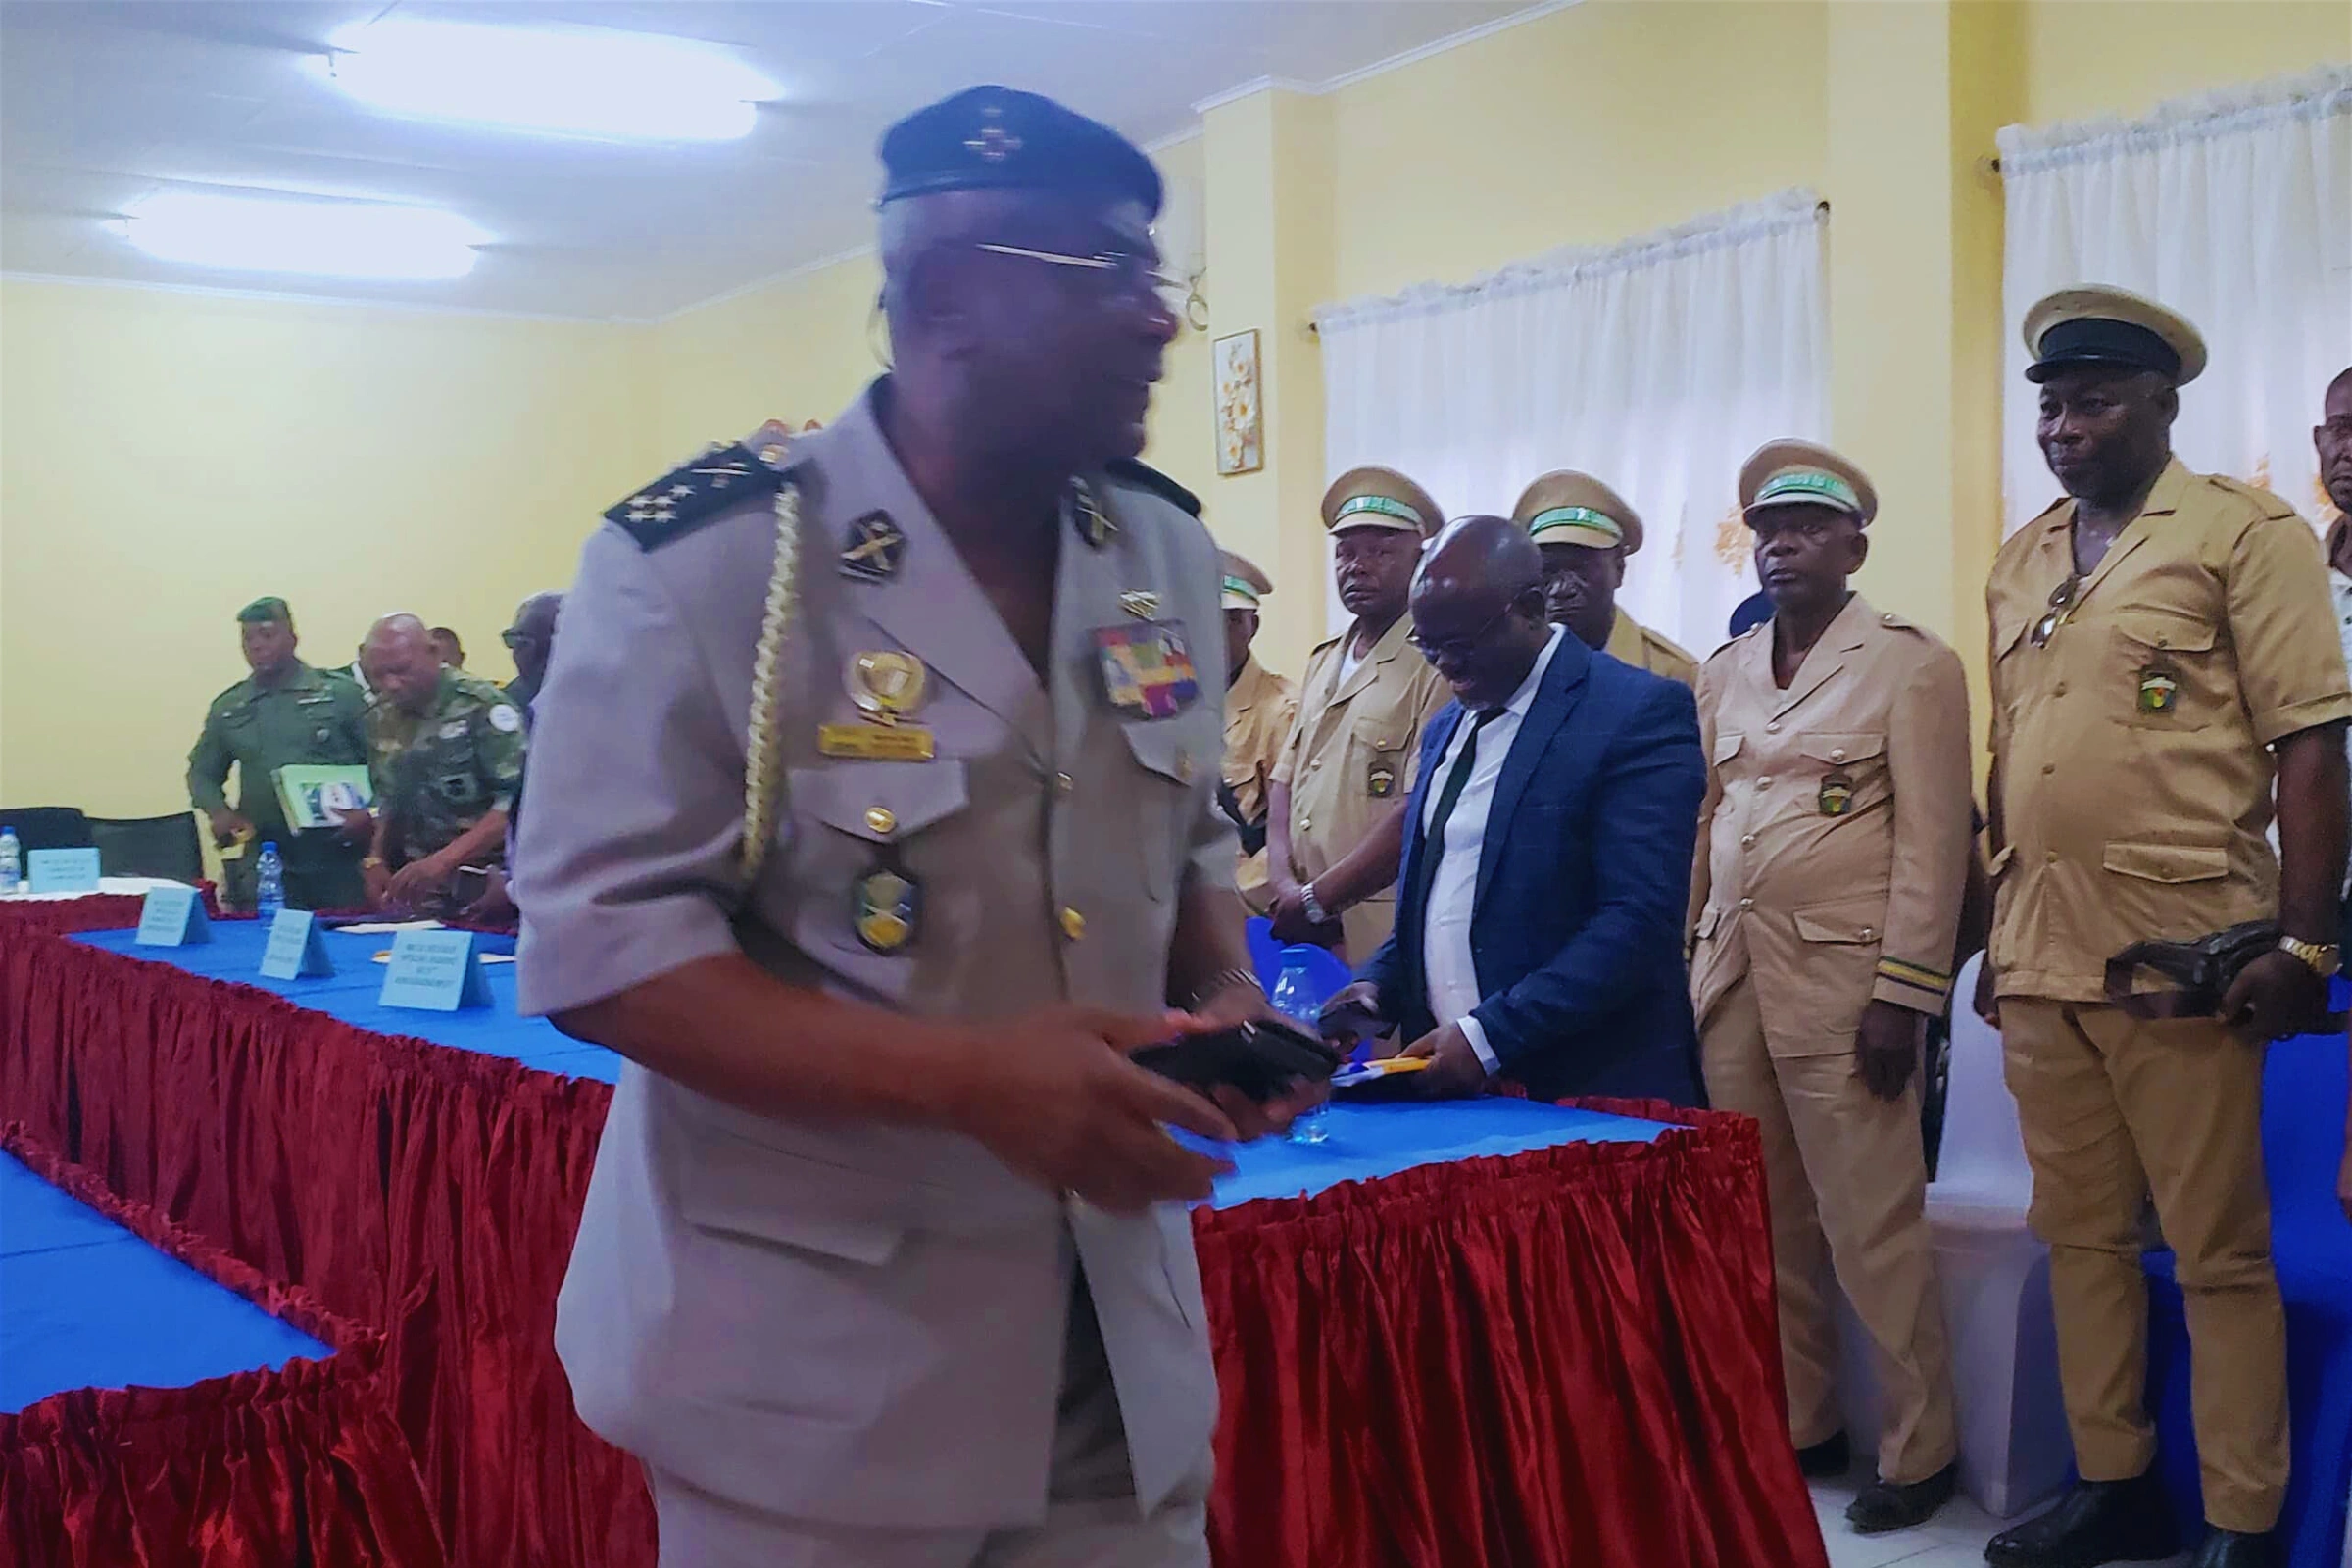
[[914, 839]]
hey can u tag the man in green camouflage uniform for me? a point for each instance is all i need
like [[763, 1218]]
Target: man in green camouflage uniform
[[446, 749], [283, 714]]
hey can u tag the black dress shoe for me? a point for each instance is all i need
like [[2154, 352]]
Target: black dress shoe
[[1886, 1505], [1827, 1459], [2236, 1548], [2098, 1522]]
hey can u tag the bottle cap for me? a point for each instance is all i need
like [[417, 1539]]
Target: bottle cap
[[269, 846]]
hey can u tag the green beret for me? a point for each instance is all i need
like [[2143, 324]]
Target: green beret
[[267, 607], [995, 138]]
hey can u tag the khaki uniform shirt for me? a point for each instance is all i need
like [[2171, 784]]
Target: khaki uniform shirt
[[1350, 761], [2129, 752], [1835, 837], [1259, 708], [822, 1316], [313, 718], [438, 773], [1632, 643]]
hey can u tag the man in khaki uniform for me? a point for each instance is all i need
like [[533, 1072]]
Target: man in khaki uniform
[[1336, 828], [2163, 653], [1834, 847], [1586, 532], [1259, 708]]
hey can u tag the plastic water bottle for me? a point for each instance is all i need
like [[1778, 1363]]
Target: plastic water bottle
[[1294, 997], [11, 861], [269, 883]]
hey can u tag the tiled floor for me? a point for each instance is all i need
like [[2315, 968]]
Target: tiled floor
[[1955, 1539]]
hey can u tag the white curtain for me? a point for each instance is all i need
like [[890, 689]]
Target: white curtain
[[2234, 209], [1657, 366]]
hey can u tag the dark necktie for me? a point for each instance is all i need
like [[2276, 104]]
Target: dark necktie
[[1433, 842]]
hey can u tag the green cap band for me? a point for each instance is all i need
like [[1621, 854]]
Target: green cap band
[[1241, 590], [268, 608], [1386, 506], [1809, 484], [1582, 520]]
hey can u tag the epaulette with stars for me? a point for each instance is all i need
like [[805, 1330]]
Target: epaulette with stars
[[689, 496]]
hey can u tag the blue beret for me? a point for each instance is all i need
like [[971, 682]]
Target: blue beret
[[1753, 612], [995, 138]]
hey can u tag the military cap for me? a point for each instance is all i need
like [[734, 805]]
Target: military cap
[[1380, 498], [1568, 507], [1786, 474], [267, 607], [995, 138], [2095, 324], [1244, 584]]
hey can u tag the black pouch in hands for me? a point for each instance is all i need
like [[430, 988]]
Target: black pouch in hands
[[2204, 970], [1261, 1058]]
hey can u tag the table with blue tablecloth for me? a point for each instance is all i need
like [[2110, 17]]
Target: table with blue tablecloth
[[1561, 1315]]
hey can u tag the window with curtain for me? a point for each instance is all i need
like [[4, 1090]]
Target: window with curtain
[[2233, 208], [1657, 366]]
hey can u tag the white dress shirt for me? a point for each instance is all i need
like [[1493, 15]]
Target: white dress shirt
[[1449, 973]]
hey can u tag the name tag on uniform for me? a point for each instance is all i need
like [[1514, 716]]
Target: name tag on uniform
[[1146, 669], [876, 743]]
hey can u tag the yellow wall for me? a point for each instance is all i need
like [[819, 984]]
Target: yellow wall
[[2090, 58], [169, 457], [1600, 121]]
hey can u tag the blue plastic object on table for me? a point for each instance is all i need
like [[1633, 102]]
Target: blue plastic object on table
[[2304, 1085], [1365, 1142], [85, 1303]]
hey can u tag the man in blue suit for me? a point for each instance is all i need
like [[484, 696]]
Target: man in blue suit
[[1539, 932]]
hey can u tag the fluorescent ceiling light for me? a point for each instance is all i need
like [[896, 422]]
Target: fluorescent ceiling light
[[580, 84], [324, 239]]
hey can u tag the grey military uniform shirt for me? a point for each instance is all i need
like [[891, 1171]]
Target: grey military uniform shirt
[[852, 1321]]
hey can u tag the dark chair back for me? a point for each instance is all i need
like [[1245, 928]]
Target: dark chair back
[[48, 827], [149, 846]]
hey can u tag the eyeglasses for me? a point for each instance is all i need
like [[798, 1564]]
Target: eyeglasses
[[515, 639], [1456, 647], [1125, 274], [2062, 604]]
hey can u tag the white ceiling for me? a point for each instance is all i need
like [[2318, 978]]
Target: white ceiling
[[103, 102]]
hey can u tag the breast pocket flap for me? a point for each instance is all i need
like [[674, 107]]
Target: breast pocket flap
[[2164, 631], [1727, 746], [2168, 862], [1166, 751], [878, 800], [1834, 750]]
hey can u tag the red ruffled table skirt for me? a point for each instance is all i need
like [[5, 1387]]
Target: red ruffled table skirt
[[1563, 1359]]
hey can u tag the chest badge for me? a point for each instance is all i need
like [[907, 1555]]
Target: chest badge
[[1380, 780], [875, 548], [1837, 795], [887, 685], [888, 905], [2159, 689], [1146, 669], [1141, 603]]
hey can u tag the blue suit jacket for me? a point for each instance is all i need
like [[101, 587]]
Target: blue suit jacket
[[1583, 881]]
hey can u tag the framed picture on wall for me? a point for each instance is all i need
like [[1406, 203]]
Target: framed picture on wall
[[1241, 414]]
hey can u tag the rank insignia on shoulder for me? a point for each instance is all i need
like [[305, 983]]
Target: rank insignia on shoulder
[[1837, 795], [1087, 516], [1146, 669], [875, 548], [686, 498], [2159, 689]]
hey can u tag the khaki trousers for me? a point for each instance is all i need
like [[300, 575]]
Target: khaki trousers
[[2115, 1110], [1848, 1180], [1092, 1518]]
